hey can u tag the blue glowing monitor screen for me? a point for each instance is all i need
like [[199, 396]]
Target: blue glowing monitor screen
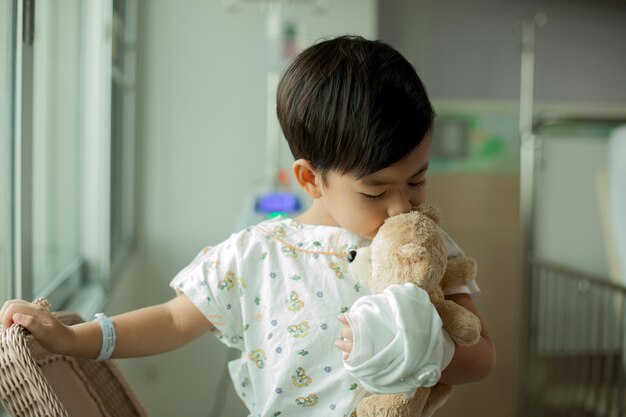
[[283, 202]]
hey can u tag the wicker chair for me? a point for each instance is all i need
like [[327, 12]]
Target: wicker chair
[[35, 382]]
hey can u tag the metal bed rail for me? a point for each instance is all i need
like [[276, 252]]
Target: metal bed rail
[[572, 353], [576, 344]]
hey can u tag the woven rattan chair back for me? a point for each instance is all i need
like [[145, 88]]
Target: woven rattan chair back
[[35, 382]]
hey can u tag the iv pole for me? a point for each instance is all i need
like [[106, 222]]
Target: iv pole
[[529, 145], [272, 196], [275, 62]]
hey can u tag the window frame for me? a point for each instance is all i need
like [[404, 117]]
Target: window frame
[[84, 283], [7, 174]]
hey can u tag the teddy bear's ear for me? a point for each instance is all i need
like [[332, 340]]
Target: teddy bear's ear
[[431, 212]]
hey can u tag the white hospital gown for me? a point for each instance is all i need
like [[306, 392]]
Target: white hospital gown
[[274, 291]]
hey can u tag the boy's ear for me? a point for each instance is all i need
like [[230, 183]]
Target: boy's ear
[[307, 177]]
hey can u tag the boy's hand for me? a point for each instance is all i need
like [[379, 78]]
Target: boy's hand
[[49, 332], [345, 343]]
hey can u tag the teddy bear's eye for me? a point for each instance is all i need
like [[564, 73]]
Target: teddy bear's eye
[[352, 256]]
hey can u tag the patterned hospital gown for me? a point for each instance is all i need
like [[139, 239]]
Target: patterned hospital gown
[[274, 291]]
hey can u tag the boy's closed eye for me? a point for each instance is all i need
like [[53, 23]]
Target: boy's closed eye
[[381, 195], [374, 197], [418, 184]]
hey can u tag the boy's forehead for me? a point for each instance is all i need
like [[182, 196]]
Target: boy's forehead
[[390, 174]]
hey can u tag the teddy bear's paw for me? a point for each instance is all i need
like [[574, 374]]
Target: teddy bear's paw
[[465, 332], [462, 325], [439, 394]]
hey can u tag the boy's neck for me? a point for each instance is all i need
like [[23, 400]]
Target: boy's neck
[[317, 215]]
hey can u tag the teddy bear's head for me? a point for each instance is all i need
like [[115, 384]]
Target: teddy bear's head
[[408, 247]]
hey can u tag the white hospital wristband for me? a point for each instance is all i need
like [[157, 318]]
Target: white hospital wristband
[[108, 337]]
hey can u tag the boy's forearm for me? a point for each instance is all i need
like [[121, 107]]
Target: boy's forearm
[[470, 363], [143, 332]]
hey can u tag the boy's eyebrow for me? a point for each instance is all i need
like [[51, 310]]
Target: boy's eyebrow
[[377, 182]]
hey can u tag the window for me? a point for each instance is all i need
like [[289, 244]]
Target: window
[[122, 126], [65, 168], [56, 145]]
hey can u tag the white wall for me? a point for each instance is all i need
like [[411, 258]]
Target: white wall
[[471, 49], [201, 145]]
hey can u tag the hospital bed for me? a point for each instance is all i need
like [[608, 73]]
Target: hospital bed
[[574, 294]]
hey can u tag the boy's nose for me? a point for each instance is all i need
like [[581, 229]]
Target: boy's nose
[[400, 205]]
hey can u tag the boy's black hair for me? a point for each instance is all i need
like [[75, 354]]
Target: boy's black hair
[[352, 105]]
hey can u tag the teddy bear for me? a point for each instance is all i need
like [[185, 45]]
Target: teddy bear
[[411, 248]]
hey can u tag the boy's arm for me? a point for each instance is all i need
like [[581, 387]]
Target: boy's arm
[[470, 363], [142, 332]]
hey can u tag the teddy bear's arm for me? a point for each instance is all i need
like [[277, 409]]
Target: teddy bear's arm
[[459, 271], [462, 325]]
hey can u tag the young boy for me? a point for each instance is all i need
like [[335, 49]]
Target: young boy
[[358, 122]]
